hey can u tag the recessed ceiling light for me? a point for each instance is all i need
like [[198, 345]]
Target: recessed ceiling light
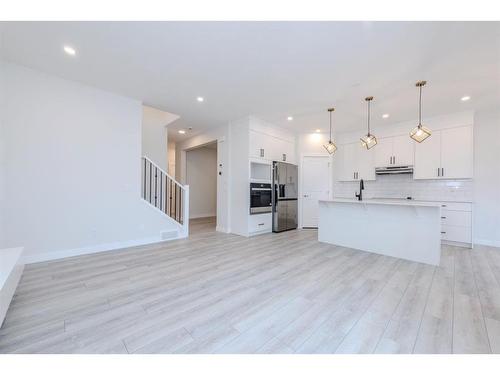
[[289, 118], [465, 98], [385, 115], [318, 130], [182, 132], [70, 50], [200, 99]]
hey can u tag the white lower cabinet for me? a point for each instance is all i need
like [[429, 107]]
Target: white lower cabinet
[[260, 223], [456, 222]]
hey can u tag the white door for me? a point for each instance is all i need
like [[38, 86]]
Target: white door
[[315, 186], [428, 157], [456, 152], [403, 150]]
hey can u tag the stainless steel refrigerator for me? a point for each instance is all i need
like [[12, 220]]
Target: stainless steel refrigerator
[[284, 196]]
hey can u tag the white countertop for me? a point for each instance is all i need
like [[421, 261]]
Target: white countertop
[[390, 202]]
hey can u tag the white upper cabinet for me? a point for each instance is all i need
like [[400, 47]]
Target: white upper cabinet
[[383, 152], [355, 162], [403, 150], [456, 152], [428, 157], [268, 147], [394, 151], [446, 154]]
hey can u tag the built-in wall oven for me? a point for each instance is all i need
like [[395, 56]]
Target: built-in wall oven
[[260, 198]]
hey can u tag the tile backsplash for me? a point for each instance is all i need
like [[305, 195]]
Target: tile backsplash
[[403, 185]]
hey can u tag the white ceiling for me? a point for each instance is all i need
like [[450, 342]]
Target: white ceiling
[[273, 69]]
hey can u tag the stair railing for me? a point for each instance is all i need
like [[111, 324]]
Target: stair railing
[[164, 193]]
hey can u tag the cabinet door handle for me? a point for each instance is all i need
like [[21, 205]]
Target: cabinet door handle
[[443, 205], [443, 232], [260, 224], [438, 172], [261, 152], [443, 217], [442, 172], [284, 157]]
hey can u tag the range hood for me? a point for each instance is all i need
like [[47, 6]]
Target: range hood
[[402, 169]]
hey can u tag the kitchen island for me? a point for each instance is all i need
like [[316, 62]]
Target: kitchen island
[[400, 228]]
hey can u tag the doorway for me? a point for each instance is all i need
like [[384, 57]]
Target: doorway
[[316, 185], [201, 176]]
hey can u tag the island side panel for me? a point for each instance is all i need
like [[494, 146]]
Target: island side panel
[[404, 231]]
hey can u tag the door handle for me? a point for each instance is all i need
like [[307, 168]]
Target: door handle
[[305, 195], [442, 172], [438, 172], [261, 152]]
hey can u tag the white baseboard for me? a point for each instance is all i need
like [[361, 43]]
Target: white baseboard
[[94, 249], [11, 269], [480, 241], [199, 216]]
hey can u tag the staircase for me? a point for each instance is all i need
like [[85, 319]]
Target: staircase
[[166, 194]]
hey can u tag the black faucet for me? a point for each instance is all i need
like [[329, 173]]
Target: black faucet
[[361, 188]]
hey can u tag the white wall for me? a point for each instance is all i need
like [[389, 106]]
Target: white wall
[[154, 135], [171, 159], [73, 168], [2, 158], [201, 176], [487, 177], [311, 143]]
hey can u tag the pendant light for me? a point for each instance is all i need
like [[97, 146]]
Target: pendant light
[[330, 146], [420, 133], [369, 140]]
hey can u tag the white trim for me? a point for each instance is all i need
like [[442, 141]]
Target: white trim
[[200, 216], [480, 241], [95, 249], [11, 270]]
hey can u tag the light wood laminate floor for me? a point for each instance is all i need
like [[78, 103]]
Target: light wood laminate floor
[[274, 293]]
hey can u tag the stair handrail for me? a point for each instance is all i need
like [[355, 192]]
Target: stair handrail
[[180, 216], [164, 172]]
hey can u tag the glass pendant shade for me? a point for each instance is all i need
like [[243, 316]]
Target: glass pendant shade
[[369, 140], [330, 146], [420, 133]]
